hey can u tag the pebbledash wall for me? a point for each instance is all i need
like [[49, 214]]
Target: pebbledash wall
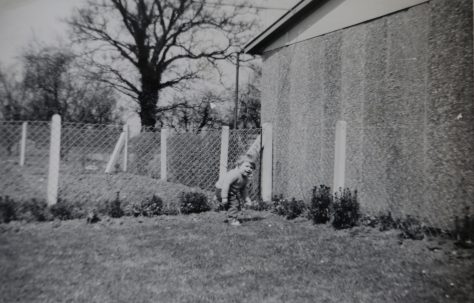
[[404, 84]]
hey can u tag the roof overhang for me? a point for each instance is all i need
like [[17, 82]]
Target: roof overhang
[[313, 18], [296, 13]]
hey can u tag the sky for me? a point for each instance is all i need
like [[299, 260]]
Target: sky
[[24, 20]]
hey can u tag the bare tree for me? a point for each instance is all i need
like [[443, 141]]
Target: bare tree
[[11, 97], [146, 46], [51, 83], [249, 100], [196, 113]]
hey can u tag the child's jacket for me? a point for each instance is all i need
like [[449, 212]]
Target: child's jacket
[[233, 184]]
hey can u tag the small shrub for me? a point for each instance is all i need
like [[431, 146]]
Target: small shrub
[[7, 210], [279, 204], [321, 202], [411, 228], [464, 229], [346, 209], [114, 208], [288, 209], [193, 202], [61, 211], [170, 210], [134, 209], [259, 205], [92, 216], [386, 222], [152, 206], [148, 207], [33, 210]]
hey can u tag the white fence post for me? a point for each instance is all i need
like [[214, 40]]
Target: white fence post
[[267, 162], [54, 158], [224, 151], [23, 143], [164, 138], [115, 153], [340, 156], [125, 148]]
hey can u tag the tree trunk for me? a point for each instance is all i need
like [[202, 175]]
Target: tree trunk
[[148, 101]]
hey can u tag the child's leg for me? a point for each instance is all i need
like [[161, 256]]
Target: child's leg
[[218, 194], [234, 209]]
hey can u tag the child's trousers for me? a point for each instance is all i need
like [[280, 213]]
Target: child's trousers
[[233, 206]]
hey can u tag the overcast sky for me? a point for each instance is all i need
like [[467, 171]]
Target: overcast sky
[[24, 20]]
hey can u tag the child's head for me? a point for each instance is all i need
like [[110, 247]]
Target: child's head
[[246, 165]]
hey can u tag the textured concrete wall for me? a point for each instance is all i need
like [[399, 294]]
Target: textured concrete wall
[[401, 82]]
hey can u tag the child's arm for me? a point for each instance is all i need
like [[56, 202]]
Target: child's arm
[[245, 194]]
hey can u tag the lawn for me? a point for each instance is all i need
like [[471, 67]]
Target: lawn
[[198, 258]]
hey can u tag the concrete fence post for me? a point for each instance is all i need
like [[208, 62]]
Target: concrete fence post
[[125, 148], [340, 156], [267, 162], [54, 159], [24, 126], [115, 154], [224, 151], [164, 139]]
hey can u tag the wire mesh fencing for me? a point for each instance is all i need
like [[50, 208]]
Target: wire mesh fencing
[[95, 162], [144, 153], [193, 158], [85, 151], [24, 154]]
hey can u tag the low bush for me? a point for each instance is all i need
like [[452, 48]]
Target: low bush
[[193, 202], [149, 207], [33, 210], [170, 210], [61, 211], [383, 221], [133, 209], [411, 228], [321, 203], [464, 229], [259, 205], [114, 208], [288, 209], [346, 209], [7, 209], [386, 222]]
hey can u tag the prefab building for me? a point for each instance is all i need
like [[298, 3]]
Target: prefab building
[[400, 74]]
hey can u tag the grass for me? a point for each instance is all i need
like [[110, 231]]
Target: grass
[[198, 258]]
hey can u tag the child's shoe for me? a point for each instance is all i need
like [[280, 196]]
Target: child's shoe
[[234, 222]]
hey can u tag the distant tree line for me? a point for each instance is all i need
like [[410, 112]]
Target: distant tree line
[[50, 82]]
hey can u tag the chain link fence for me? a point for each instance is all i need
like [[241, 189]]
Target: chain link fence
[[193, 159], [23, 173], [86, 151]]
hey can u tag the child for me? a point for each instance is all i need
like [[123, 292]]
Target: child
[[232, 189]]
